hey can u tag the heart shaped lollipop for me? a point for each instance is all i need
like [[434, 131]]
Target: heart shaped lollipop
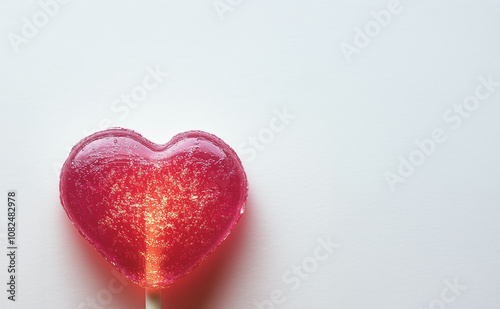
[[153, 211]]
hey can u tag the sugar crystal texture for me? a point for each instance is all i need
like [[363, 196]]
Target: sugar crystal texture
[[153, 211]]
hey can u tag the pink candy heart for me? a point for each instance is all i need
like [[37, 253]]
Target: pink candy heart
[[153, 211]]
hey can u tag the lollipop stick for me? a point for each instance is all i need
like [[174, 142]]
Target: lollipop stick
[[153, 299]]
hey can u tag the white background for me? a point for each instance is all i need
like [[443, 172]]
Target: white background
[[321, 176]]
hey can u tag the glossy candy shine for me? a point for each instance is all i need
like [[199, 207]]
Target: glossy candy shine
[[153, 211]]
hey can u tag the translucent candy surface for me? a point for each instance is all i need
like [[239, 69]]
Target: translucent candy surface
[[153, 211]]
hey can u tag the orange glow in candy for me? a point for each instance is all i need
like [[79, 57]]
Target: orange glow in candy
[[153, 211]]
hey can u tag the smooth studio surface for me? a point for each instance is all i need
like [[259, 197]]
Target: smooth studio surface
[[368, 131]]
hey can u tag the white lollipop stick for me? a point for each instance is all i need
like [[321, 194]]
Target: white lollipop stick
[[153, 299]]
